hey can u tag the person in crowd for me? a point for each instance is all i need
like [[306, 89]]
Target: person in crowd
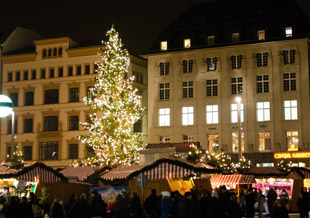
[[204, 203], [242, 202], [186, 207], [37, 209], [233, 208], [166, 205], [302, 205], [26, 211], [13, 207], [279, 210], [135, 206], [70, 203], [97, 207], [284, 194], [150, 203], [80, 208], [249, 204], [57, 209], [224, 198], [215, 209], [272, 197], [261, 202]]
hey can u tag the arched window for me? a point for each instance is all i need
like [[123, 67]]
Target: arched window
[[44, 53], [49, 52], [60, 51], [55, 52]]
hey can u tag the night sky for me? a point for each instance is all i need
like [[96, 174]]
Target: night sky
[[138, 21]]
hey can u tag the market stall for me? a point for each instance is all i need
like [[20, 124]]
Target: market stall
[[233, 181]]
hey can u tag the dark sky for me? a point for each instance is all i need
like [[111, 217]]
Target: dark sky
[[138, 21]]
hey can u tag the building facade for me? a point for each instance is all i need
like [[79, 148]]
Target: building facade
[[46, 85], [212, 54]]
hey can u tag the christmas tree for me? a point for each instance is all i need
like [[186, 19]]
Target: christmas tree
[[117, 107]]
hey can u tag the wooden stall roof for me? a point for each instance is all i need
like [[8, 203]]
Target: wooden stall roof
[[31, 171], [266, 172], [81, 173], [121, 172]]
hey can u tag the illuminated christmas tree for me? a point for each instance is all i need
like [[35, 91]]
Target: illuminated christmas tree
[[117, 107]]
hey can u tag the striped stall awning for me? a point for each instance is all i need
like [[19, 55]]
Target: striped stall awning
[[39, 174], [247, 179], [234, 179], [167, 170], [121, 172]]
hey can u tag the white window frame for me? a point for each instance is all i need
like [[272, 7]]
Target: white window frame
[[187, 116], [291, 138], [234, 142], [213, 140], [288, 31], [263, 136], [290, 110], [212, 114], [261, 35], [263, 111], [164, 117], [188, 138], [163, 45], [234, 113], [187, 43]]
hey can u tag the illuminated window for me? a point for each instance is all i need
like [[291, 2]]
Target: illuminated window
[[261, 35], [212, 114], [234, 113], [164, 91], [187, 43], [289, 56], [164, 117], [213, 142], [236, 61], [163, 45], [211, 87], [264, 141], [235, 145], [263, 111], [188, 66], [289, 81], [164, 139], [164, 68], [262, 84], [292, 139], [288, 31], [187, 116], [188, 138], [235, 37], [188, 89], [290, 110], [211, 64], [211, 40], [262, 59], [236, 85]]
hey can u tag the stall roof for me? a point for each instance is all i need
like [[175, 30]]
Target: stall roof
[[81, 173], [266, 172], [232, 179], [121, 172], [31, 171]]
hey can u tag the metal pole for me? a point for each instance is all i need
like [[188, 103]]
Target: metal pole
[[239, 130], [13, 134]]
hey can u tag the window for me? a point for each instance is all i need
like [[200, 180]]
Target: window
[[263, 111], [264, 141], [27, 154], [212, 114], [262, 59], [188, 138], [48, 150], [60, 71], [10, 126], [236, 85], [235, 37], [289, 56], [14, 98], [261, 35], [262, 84], [73, 151], [90, 152], [70, 71], [187, 43], [73, 123], [52, 73], [87, 69], [26, 75], [10, 76], [213, 142], [17, 76], [290, 110], [211, 85], [234, 113], [49, 52], [50, 123], [33, 74], [164, 68], [288, 31], [44, 53], [163, 45], [164, 139], [188, 89], [235, 142], [51, 96], [291, 139], [90, 92], [137, 126], [59, 51], [236, 61], [139, 99], [187, 116], [74, 95], [164, 117], [29, 97], [211, 64], [188, 66], [78, 70], [138, 77], [28, 125], [211, 40], [164, 91], [289, 81], [42, 73]]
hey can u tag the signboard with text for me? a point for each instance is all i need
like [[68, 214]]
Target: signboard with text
[[291, 155]]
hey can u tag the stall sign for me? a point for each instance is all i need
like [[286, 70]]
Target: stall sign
[[291, 155]]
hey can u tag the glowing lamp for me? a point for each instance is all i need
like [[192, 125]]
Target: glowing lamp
[[6, 106]]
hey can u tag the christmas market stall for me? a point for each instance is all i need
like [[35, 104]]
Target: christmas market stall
[[233, 181]]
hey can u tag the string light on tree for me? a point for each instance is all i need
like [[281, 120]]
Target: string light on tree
[[117, 108]]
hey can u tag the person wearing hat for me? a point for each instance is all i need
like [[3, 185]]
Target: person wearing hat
[[166, 205]]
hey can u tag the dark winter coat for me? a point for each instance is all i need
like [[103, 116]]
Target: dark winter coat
[[97, 207], [150, 203], [186, 209], [79, 210], [249, 204], [234, 210], [215, 209], [166, 207], [57, 210]]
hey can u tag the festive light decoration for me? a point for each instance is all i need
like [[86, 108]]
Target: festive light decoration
[[117, 108], [17, 161], [284, 165]]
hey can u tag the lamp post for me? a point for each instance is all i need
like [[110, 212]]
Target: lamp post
[[6, 108], [238, 99]]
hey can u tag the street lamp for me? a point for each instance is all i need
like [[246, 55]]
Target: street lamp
[[238, 100], [6, 108]]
